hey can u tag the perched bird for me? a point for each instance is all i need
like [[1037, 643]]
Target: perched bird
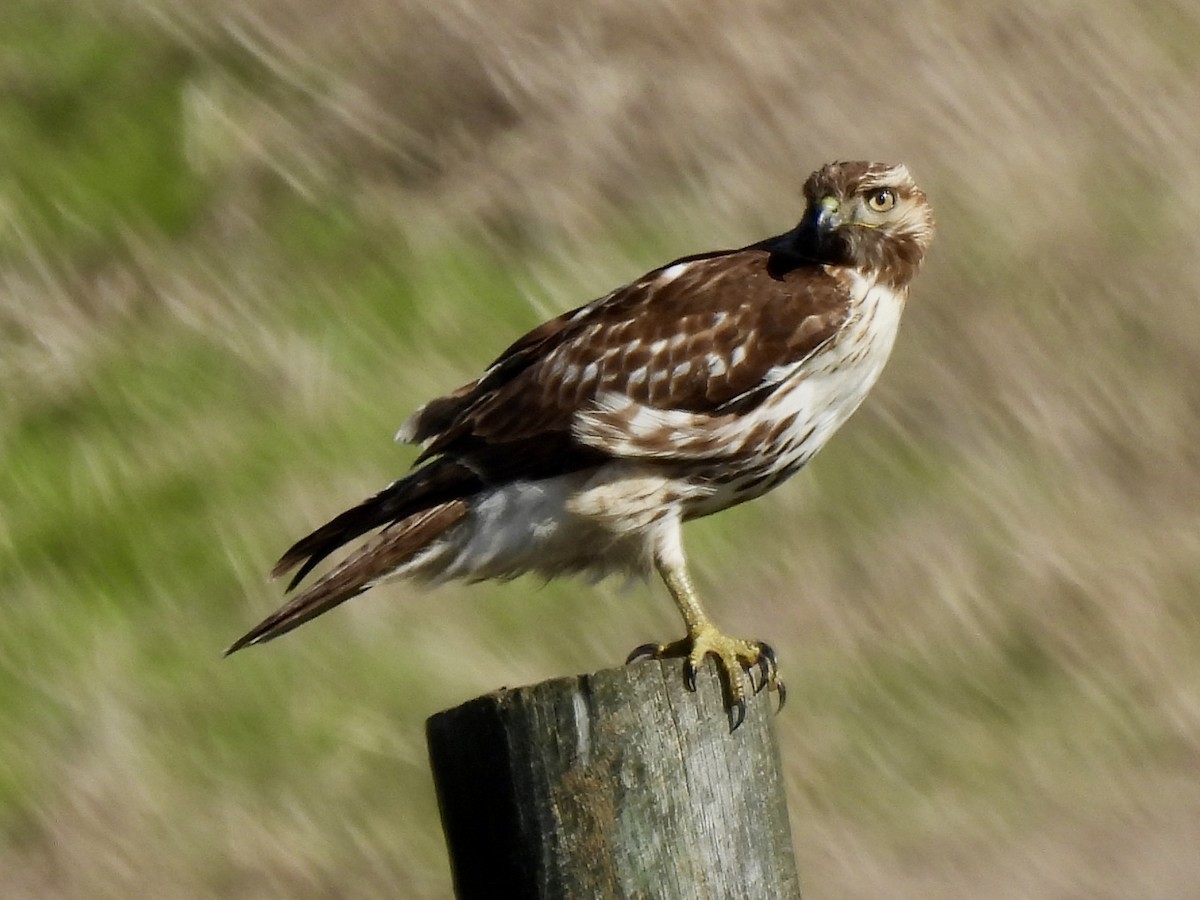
[[590, 441]]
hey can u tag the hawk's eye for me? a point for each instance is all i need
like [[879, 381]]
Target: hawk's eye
[[881, 200]]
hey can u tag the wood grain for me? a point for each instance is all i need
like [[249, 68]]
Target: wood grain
[[616, 784]]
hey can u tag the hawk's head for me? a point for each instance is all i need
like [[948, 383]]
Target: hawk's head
[[870, 216]]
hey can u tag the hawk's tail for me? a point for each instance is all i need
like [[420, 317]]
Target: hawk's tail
[[414, 512], [435, 483], [397, 544]]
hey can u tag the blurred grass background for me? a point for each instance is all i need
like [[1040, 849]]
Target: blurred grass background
[[240, 241]]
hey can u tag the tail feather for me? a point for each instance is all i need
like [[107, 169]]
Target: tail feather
[[394, 546], [436, 483], [337, 532]]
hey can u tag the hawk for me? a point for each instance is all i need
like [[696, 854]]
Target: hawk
[[590, 441]]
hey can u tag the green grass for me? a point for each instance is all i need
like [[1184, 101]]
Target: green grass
[[90, 131]]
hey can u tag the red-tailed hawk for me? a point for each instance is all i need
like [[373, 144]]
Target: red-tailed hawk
[[590, 441]]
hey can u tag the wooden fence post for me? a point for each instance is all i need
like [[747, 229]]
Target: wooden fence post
[[618, 784]]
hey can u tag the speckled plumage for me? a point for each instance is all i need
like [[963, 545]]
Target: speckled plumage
[[703, 384]]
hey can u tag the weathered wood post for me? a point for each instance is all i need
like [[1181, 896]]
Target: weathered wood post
[[617, 784]]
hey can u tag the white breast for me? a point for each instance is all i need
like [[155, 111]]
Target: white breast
[[814, 399]]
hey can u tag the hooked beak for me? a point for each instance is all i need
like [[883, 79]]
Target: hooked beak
[[827, 215], [819, 224]]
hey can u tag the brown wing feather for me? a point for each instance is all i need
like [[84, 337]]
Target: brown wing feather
[[697, 342], [438, 417]]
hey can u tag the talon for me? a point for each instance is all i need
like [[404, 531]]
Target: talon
[[737, 713], [736, 659], [645, 651], [764, 669], [767, 652], [689, 676]]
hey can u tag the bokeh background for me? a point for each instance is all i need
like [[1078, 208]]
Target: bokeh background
[[240, 240]]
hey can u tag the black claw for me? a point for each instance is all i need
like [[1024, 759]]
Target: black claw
[[689, 675], [645, 651], [767, 658], [782, 689], [737, 713], [764, 672]]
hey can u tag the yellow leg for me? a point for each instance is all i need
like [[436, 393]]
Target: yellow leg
[[735, 657]]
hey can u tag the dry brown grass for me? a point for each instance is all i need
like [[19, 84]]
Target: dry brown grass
[[987, 593]]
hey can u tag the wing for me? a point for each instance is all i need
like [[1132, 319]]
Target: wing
[[702, 337]]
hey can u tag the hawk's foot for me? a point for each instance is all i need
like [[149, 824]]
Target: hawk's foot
[[734, 656]]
